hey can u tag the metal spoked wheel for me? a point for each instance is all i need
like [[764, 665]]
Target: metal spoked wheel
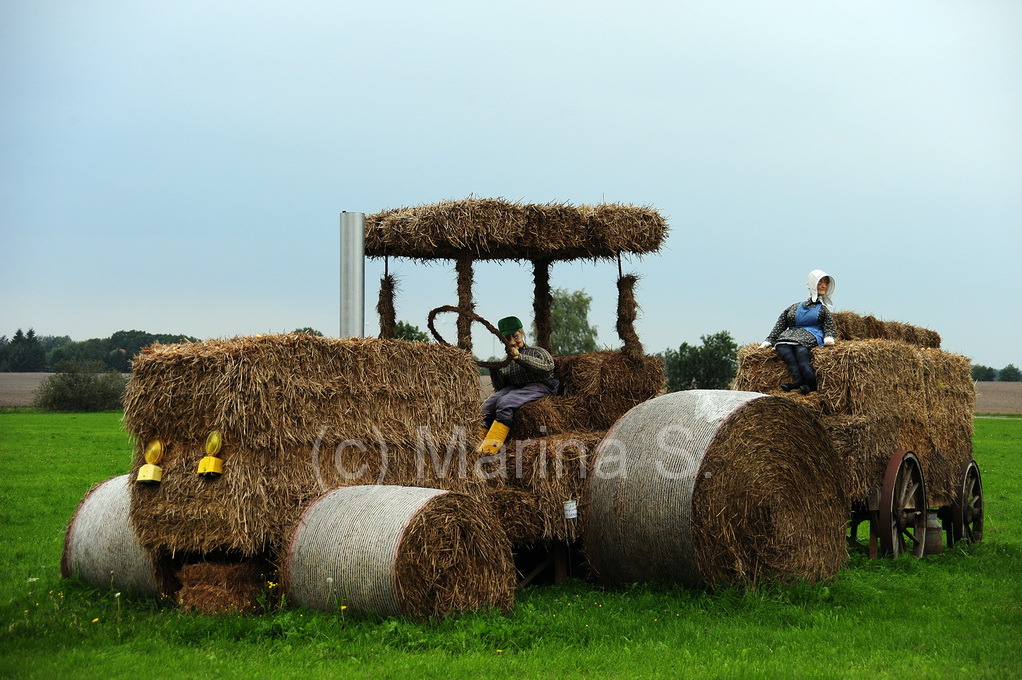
[[902, 515], [967, 510]]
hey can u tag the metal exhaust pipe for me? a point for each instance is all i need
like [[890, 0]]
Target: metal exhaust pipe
[[352, 274]]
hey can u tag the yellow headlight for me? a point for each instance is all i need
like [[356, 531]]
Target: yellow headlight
[[154, 451], [214, 442]]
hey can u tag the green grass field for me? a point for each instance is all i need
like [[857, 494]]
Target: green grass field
[[957, 615]]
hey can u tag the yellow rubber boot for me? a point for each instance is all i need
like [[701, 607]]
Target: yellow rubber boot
[[494, 438]]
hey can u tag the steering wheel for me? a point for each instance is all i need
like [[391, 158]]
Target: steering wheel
[[472, 317]]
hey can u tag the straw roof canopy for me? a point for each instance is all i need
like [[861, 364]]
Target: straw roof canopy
[[492, 229]]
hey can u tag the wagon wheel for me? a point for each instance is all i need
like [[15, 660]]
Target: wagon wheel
[[967, 509], [902, 515], [474, 317]]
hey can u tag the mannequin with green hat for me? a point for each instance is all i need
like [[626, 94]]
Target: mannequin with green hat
[[527, 377]]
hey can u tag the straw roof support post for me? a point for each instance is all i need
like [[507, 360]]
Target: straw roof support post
[[385, 306], [542, 303], [466, 307], [627, 312]]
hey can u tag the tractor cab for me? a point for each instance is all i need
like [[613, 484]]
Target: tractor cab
[[596, 388], [536, 481]]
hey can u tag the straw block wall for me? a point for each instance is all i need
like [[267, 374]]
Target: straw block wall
[[299, 415]]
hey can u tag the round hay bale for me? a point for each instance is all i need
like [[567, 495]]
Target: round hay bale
[[707, 487], [394, 550], [101, 547]]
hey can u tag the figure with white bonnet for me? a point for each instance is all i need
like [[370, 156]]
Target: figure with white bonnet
[[801, 327]]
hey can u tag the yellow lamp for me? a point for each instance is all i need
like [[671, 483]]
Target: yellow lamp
[[211, 466], [151, 473], [214, 442], [154, 451]]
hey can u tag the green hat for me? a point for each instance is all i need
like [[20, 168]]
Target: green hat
[[509, 325]]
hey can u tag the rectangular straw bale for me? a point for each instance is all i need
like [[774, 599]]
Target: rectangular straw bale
[[299, 415], [950, 402], [553, 469], [487, 228], [547, 416], [277, 391], [519, 513], [852, 326], [863, 377], [880, 376], [607, 384], [220, 587], [864, 445]]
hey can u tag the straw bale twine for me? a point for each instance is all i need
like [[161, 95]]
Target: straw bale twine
[[500, 229], [101, 547], [878, 396], [388, 550], [299, 415], [710, 487]]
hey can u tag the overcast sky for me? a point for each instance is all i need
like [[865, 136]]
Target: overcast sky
[[179, 167]]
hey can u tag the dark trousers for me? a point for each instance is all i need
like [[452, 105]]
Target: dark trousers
[[503, 403], [800, 364]]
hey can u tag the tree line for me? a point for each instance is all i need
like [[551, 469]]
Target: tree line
[[1009, 373], [27, 352], [709, 365]]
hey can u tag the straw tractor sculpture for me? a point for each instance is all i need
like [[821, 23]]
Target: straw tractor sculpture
[[346, 472]]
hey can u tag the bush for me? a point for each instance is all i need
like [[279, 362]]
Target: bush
[[1010, 373], [82, 386], [711, 366]]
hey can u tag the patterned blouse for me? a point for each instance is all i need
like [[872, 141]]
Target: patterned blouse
[[785, 332]]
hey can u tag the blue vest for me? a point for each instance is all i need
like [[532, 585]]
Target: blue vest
[[809, 319]]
